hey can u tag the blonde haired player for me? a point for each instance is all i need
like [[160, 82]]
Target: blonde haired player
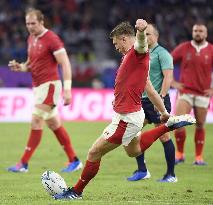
[[45, 52], [131, 81]]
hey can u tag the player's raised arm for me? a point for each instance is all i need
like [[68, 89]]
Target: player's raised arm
[[167, 80], [140, 44], [63, 60]]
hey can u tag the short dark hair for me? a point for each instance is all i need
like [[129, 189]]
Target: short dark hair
[[124, 28], [199, 23], [38, 13]]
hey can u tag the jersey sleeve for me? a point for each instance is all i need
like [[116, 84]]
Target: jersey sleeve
[[212, 57], [177, 53], [55, 43], [166, 60]]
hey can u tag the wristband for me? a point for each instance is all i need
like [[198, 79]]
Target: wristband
[[23, 67], [67, 84]]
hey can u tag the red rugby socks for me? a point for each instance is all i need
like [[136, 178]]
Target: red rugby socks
[[33, 142], [90, 170], [64, 140]]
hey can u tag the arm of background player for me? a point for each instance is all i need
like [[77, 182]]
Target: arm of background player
[[177, 53], [167, 80], [175, 84], [177, 56], [63, 60], [208, 92], [166, 64], [19, 67], [156, 100], [140, 44]]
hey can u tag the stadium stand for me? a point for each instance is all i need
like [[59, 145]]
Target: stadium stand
[[84, 26]]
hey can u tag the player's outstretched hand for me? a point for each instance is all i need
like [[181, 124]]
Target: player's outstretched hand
[[14, 65], [67, 97], [141, 25]]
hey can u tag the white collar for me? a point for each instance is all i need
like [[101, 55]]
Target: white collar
[[40, 35], [197, 47]]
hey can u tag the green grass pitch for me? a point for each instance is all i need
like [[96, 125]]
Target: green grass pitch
[[195, 185]]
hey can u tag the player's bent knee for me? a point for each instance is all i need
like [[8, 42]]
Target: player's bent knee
[[37, 123], [53, 125], [199, 125], [94, 154], [133, 154]]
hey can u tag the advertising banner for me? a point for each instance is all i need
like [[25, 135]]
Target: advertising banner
[[87, 105]]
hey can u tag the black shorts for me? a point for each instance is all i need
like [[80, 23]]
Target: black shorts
[[150, 114]]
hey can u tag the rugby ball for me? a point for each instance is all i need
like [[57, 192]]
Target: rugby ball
[[53, 183]]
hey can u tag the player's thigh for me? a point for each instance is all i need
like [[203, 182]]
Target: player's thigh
[[124, 127], [133, 149], [46, 98], [183, 107], [47, 94], [201, 104], [200, 116], [100, 148]]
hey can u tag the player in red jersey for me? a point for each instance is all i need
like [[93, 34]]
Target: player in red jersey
[[45, 52], [194, 89], [131, 81]]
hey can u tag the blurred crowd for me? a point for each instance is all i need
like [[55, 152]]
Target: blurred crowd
[[82, 23]]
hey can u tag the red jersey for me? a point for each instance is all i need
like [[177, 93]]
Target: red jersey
[[130, 82], [43, 64], [196, 66]]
